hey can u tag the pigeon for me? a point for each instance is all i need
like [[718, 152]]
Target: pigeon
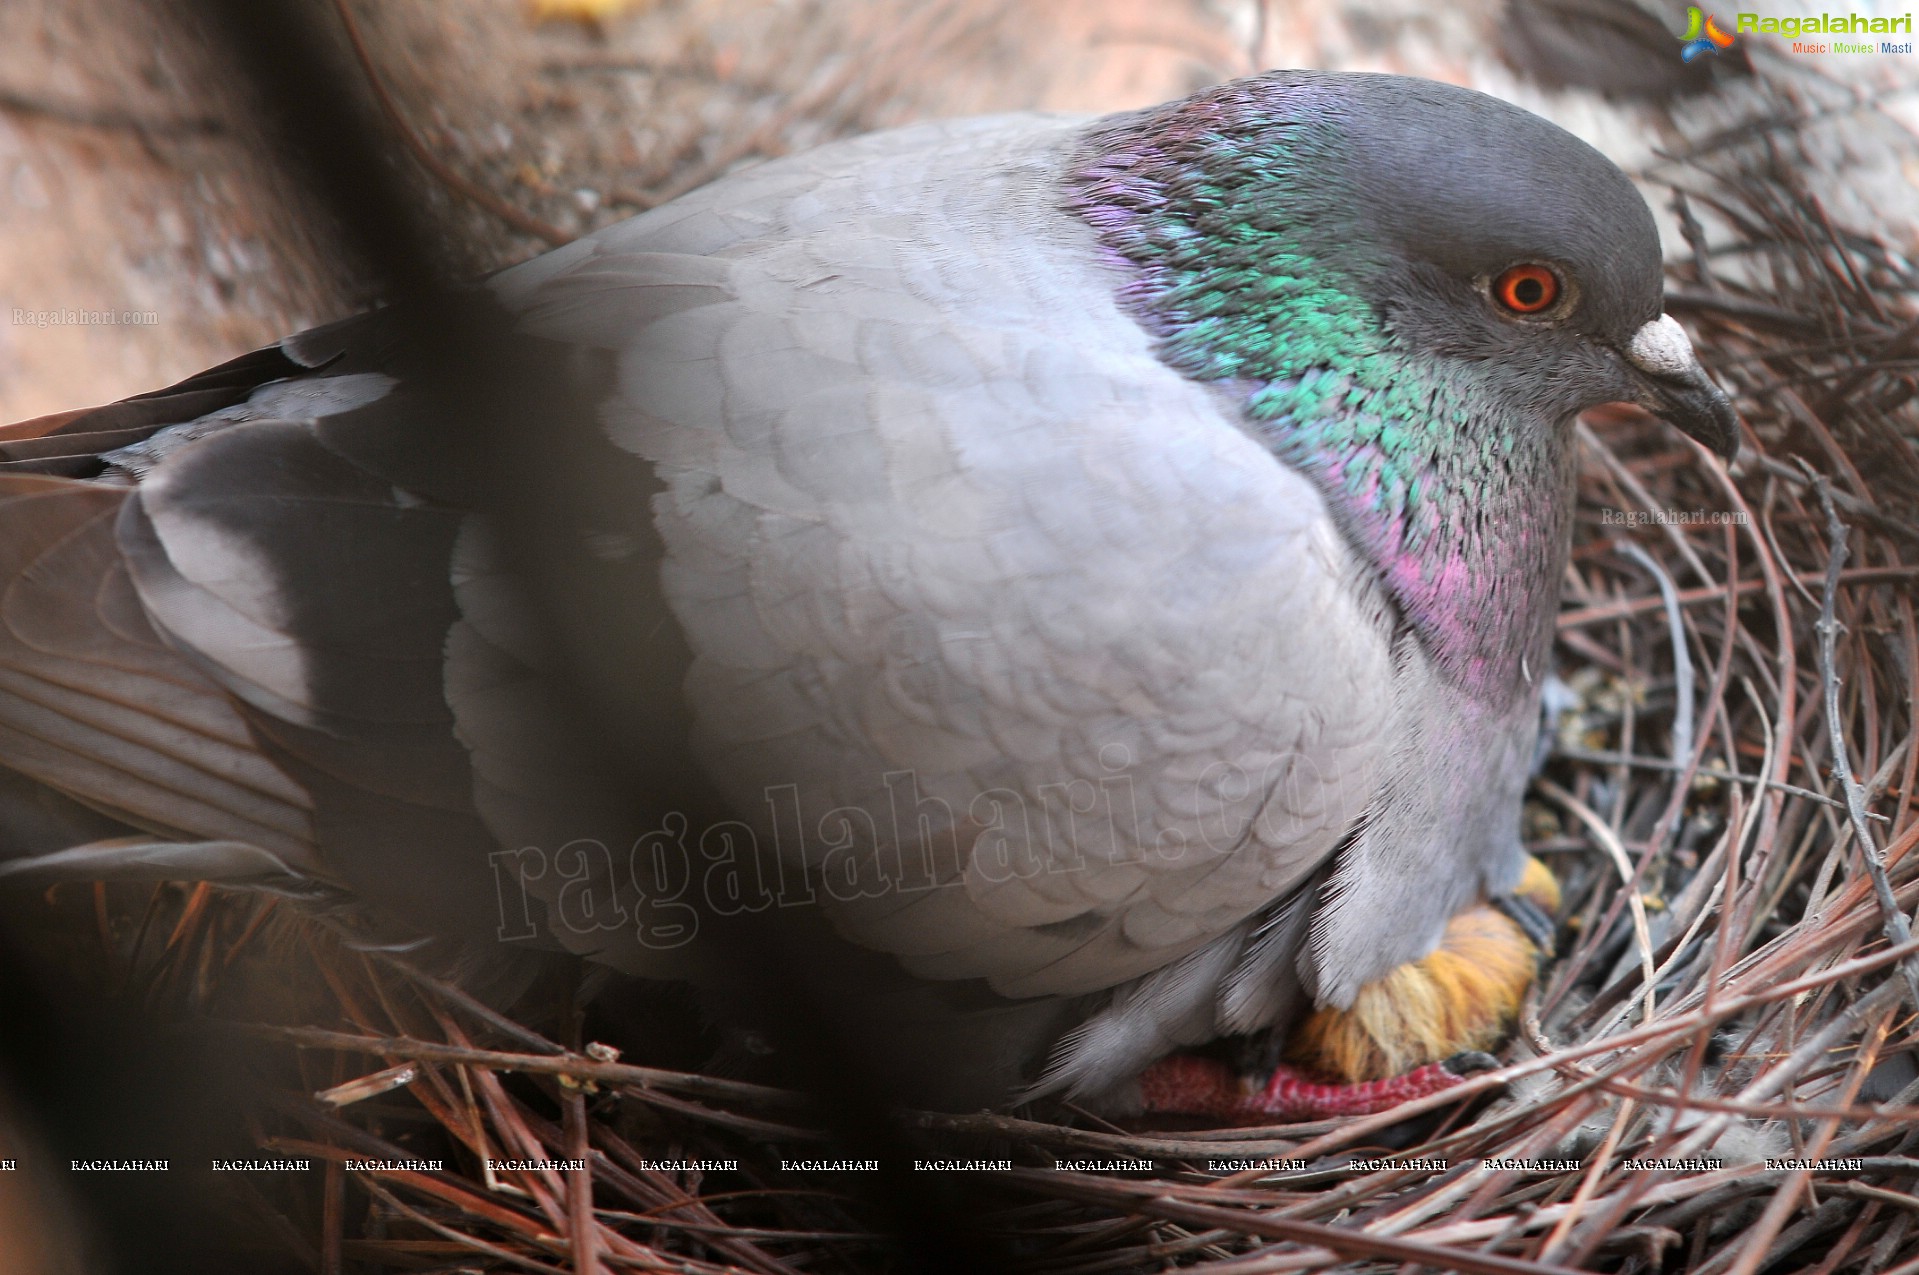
[[1084, 586]]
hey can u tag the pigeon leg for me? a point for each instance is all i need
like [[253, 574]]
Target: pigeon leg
[[1464, 995], [1419, 1030]]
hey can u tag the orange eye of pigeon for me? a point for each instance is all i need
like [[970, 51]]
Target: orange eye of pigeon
[[1526, 289]]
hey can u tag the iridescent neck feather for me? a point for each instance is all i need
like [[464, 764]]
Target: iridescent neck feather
[[1251, 276]]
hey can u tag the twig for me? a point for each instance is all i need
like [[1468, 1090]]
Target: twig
[[1602, 757], [524, 222], [1897, 928], [574, 1065], [1681, 653], [1687, 597], [467, 1004], [111, 118], [582, 1228], [1685, 302], [1349, 1242], [1609, 842]]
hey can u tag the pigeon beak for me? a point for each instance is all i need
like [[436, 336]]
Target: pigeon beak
[[1673, 385]]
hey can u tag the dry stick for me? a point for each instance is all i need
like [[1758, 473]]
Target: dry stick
[[541, 1186], [1671, 1192], [1899, 345], [552, 1190], [657, 1189], [1726, 1106], [582, 1226], [1276, 1259], [1346, 1241], [473, 1129], [628, 1254], [1546, 1128], [1850, 1240], [1788, 1070], [1840, 929], [1443, 1197], [1786, 683], [114, 118], [1726, 887], [1700, 1192], [721, 1229], [646, 1083], [1778, 744], [1822, 1219], [1888, 1244], [1496, 1230], [750, 1126], [1678, 1024], [1632, 486], [1629, 897], [1630, 483], [1771, 500], [1729, 884], [265, 908], [1628, 722], [1206, 1144], [190, 914], [1603, 757], [1701, 899], [1897, 928], [1556, 1242], [620, 1167], [1909, 782], [1603, 834], [1694, 757], [1599, 1223], [1784, 1200], [524, 222], [333, 1201], [468, 1004], [1393, 1210], [433, 1183], [1787, 953], [1750, 1110], [461, 1238], [436, 1083], [1600, 613], [1681, 654], [1685, 760], [581, 1068], [1844, 499]]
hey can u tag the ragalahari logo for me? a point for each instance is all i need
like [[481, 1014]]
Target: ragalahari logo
[[1702, 35]]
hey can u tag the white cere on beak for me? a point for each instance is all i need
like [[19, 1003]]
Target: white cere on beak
[[1662, 348]]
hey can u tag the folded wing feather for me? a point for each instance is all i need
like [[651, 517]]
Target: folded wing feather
[[1067, 679]]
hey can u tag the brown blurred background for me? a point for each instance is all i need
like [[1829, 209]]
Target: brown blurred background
[[128, 183]]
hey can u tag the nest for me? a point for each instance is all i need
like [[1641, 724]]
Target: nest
[[1714, 1074]]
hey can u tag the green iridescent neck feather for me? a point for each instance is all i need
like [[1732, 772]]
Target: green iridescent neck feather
[[1255, 278]]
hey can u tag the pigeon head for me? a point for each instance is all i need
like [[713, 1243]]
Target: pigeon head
[[1408, 290]]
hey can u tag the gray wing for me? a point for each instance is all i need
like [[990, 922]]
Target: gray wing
[[1041, 670], [1049, 672]]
